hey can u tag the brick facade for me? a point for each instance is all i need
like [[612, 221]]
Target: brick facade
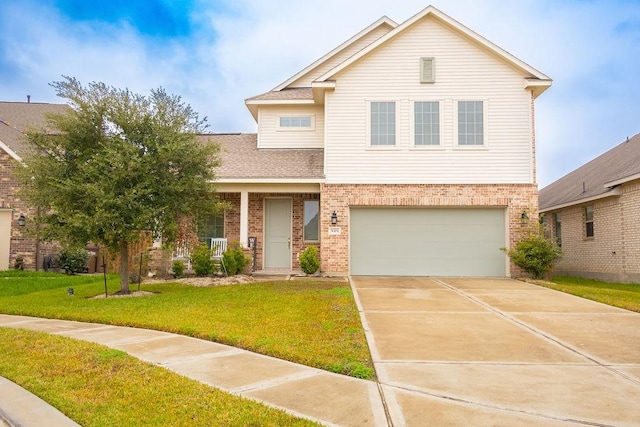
[[516, 198], [613, 253]]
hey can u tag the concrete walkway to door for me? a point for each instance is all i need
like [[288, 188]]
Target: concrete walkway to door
[[499, 352]]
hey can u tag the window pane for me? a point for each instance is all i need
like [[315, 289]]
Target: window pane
[[295, 122], [383, 123], [427, 123], [470, 123], [311, 229], [211, 227]]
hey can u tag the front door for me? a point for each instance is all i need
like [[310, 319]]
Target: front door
[[277, 240]]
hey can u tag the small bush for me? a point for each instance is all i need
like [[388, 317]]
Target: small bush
[[201, 260], [178, 268], [234, 259], [535, 254], [309, 261], [74, 259]]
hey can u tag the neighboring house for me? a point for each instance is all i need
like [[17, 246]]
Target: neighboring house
[[594, 213], [407, 150], [15, 119]]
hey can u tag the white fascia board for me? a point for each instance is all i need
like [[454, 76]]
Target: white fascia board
[[254, 187], [622, 180], [537, 85], [430, 10], [10, 152], [268, 181], [614, 192], [381, 21]]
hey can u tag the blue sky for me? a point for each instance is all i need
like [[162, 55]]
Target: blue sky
[[216, 53]]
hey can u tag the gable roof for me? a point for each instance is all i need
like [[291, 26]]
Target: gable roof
[[596, 179], [242, 160], [16, 118], [540, 85]]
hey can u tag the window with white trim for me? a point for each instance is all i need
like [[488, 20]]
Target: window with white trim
[[470, 123], [427, 70], [588, 221], [426, 123], [311, 226], [295, 122], [211, 227], [383, 123]]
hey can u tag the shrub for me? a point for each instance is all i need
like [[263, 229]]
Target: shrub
[[178, 268], [535, 254], [309, 261], [234, 259], [74, 259], [201, 260]]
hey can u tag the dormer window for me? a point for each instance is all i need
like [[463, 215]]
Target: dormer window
[[296, 123]]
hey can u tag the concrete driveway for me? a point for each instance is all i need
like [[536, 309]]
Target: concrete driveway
[[499, 352]]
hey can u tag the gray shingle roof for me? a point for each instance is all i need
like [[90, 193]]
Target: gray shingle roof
[[620, 162], [16, 118], [241, 159], [299, 93]]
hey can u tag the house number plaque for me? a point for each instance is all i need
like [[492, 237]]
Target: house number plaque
[[334, 231]]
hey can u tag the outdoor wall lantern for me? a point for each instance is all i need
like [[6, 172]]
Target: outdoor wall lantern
[[524, 218], [334, 218], [22, 220]]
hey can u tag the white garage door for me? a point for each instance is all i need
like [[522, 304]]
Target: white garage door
[[427, 242]]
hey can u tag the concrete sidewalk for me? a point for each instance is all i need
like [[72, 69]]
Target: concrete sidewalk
[[311, 393]]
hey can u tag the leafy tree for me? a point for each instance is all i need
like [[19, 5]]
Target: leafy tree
[[120, 164], [535, 254]]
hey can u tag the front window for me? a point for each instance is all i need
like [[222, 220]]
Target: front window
[[557, 228], [383, 123], [470, 123], [311, 230], [211, 227], [588, 220], [426, 123]]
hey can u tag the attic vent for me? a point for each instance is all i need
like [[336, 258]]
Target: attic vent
[[427, 70]]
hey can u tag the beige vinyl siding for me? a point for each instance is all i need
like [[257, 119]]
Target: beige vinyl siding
[[464, 72], [375, 34], [270, 136]]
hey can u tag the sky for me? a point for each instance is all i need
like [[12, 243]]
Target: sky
[[216, 53]]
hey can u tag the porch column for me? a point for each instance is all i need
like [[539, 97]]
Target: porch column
[[244, 218]]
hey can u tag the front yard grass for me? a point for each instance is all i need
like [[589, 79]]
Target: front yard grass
[[99, 386], [623, 295], [312, 322]]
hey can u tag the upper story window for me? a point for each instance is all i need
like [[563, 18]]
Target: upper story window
[[296, 123], [426, 123], [588, 221], [383, 123], [470, 123]]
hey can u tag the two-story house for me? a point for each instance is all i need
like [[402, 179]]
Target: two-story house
[[407, 150]]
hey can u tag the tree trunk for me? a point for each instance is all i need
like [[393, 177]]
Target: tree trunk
[[124, 267]]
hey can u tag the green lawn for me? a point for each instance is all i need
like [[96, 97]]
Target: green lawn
[[98, 386], [312, 322], [623, 295]]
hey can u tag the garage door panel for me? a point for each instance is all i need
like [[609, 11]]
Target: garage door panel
[[432, 242]]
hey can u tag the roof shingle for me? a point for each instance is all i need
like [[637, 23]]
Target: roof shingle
[[241, 159], [16, 118], [298, 93], [589, 180]]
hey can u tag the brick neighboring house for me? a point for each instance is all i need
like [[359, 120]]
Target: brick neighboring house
[[594, 213], [15, 119], [407, 150]]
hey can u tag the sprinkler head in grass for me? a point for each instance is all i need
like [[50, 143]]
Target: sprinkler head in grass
[[70, 292]]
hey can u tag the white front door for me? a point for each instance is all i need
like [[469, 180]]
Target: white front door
[[277, 233]]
